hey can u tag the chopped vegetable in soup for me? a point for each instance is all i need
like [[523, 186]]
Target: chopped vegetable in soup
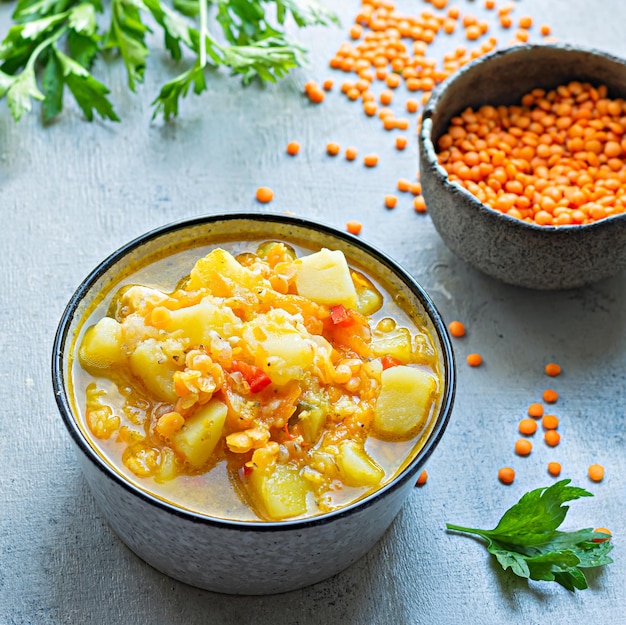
[[265, 386]]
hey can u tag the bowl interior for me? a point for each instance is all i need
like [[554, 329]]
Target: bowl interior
[[210, 231]]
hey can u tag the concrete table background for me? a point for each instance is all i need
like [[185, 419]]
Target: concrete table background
[[73, 192]]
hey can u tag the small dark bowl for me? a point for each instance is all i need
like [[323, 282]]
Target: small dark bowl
[[244, 557], [511, 250]]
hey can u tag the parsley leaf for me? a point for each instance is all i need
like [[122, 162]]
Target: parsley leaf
[[53, 44], [127, 33], [89, 94], [19, 90], [166, 102], [527, 540], [52, 85], [269, 59]]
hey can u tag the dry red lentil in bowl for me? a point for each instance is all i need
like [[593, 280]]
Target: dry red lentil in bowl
[[554, 159], [523, 165]]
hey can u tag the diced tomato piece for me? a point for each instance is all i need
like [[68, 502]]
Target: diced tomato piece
[[259, 381], [390, 361], [340, 315], [256, 378]]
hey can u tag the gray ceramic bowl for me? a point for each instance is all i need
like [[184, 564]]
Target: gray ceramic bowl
[[230, 556], [516, 252]]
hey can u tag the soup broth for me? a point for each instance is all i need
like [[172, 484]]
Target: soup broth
[[254, 380]]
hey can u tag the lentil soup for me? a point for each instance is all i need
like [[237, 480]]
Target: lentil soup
[[254, 380]]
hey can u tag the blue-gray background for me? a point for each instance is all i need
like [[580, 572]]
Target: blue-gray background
[[73, 192]]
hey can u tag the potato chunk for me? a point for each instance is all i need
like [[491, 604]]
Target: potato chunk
[[197, 439], [405, 399], [396, 343], [281, 491], [155, 369], [221, 273], [356, 468], [199, 320], [280, 345], [141, 299], [324, 277], [101, 346]]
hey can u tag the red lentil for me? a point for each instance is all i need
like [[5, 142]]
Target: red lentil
[[456, 328], [596, 472], [422, 479], [548, 160], [550, 396], [506, 475], [264, 195], [474, 360], [354, 227], [554, 468]]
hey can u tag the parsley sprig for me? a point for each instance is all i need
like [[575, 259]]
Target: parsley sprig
[[53, 45], [527, 541]]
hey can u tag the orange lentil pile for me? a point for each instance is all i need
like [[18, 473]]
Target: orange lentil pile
[[556, 159]]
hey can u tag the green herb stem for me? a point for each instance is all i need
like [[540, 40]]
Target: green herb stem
[[203, 31], [459, 528], [30, 65]]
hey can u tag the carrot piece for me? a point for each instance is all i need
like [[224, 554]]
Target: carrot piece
[[389, 361]]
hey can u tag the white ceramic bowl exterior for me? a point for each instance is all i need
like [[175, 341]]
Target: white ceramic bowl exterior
[[244, 557]]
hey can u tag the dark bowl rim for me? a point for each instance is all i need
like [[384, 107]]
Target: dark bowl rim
[[63, 404], [429, 153]]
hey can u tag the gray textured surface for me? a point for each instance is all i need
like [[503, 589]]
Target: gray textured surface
[[72, 193]]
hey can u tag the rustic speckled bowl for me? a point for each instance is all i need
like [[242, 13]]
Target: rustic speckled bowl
[[513, 251], [230, 556]]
